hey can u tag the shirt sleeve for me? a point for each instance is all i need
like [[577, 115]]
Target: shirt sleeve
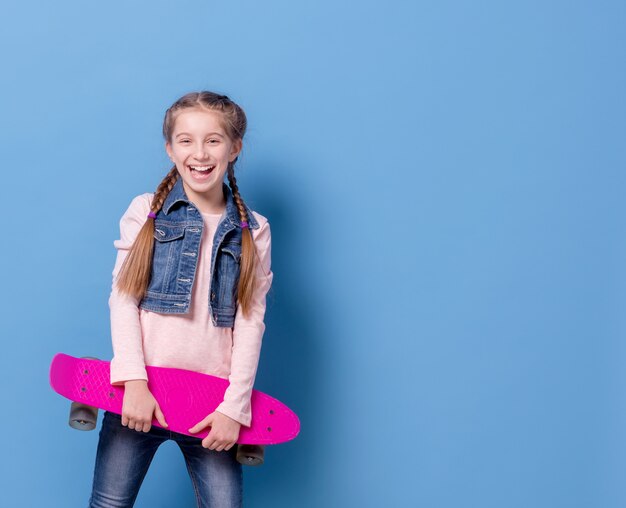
[[247, 337], [128, 360]]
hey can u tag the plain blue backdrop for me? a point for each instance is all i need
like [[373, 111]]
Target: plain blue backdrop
[[445, 182]]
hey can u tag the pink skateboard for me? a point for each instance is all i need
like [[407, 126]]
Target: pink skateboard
[[185, 397]]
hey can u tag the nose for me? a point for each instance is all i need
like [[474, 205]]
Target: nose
[[200, 152]]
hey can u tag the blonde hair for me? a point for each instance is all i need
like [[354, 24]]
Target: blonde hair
[[134, 275]]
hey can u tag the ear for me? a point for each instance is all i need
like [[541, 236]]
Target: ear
[[235, 149], [168, 149]]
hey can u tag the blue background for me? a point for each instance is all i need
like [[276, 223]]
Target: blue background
[[445, 185]]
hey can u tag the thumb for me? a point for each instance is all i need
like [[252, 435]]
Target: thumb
[[159, 415], [202, 424]]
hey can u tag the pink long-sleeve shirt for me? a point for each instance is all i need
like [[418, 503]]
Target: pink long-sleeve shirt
[[191, 341]]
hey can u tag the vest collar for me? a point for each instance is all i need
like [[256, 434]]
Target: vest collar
[[177, 194]]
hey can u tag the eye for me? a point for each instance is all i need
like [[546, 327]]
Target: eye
[[185, 141], [213, 141]]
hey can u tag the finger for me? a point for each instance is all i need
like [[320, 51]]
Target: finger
[[218, 445], [146, 426], [124, 421], [229, 446], [160, 416], [210, 441], [197, 427], [201, 425]]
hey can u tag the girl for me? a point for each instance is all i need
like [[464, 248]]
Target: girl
[[189, 286]]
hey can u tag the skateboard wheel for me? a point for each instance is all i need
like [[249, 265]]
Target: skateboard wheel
[[250, 455], [83, 417]]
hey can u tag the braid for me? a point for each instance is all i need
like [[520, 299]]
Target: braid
[[243, 215], [164, 188], [247, 279], [134, 275]]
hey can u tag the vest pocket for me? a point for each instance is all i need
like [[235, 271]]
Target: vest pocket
[[166, 254], [234, 249], [167, 233]]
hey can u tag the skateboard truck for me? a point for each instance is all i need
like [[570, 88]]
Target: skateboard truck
[[85, 417], [250, 455]]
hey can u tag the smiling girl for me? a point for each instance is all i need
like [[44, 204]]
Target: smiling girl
[[189, 291]]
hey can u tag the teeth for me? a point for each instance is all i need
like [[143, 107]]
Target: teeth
[[202, 168]]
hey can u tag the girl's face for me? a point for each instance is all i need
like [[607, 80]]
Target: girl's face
[[201, 151]]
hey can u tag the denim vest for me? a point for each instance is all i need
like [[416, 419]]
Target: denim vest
[[178, 230]]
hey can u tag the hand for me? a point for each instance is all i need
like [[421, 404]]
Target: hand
[[223, 434], [139, 405]]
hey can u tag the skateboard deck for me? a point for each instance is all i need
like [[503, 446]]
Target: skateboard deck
[[184, 396]]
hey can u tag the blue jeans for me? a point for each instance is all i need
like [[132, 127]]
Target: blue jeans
[[124, 455]]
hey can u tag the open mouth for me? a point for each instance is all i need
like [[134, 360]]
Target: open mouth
[[201, 172]]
